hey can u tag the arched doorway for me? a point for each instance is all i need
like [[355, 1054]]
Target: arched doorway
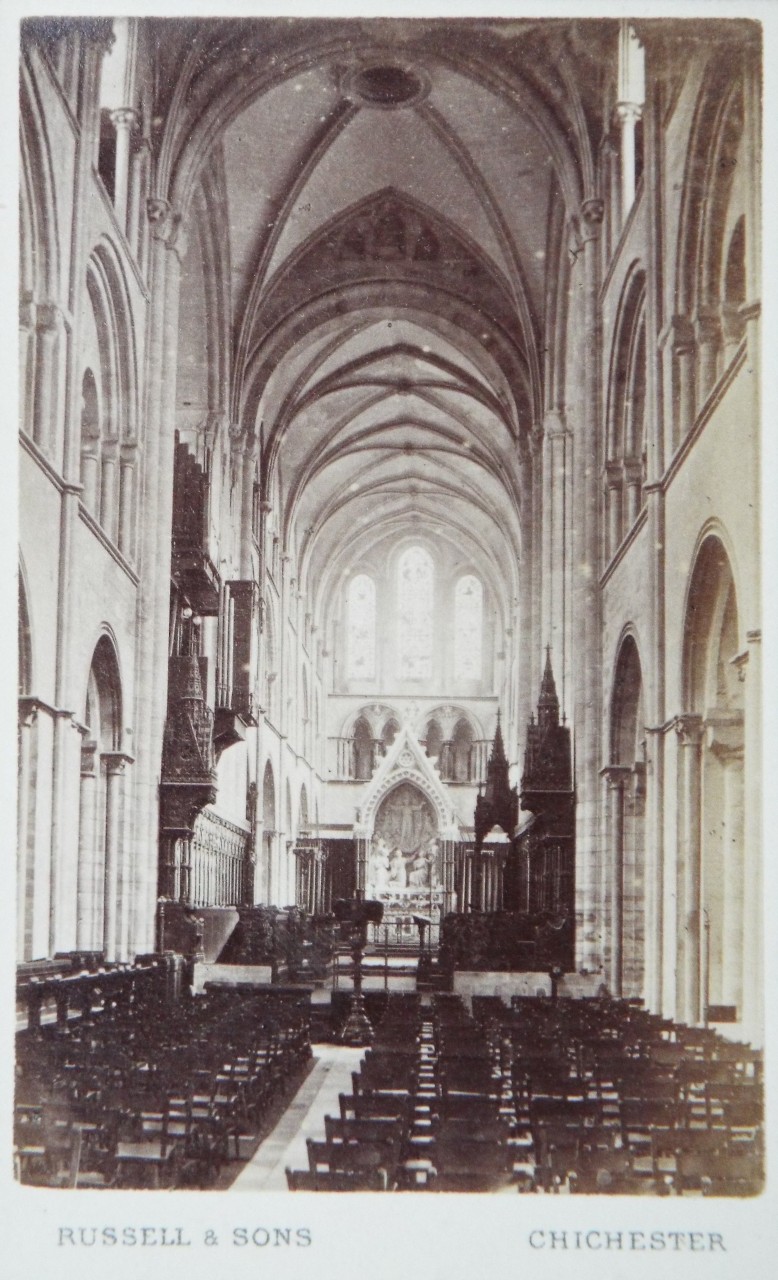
[[625, 806], [710, 938]]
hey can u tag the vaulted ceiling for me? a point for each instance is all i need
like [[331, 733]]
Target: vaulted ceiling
[[389, 199]]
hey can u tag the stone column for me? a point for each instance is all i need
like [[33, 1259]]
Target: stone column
[[586, 552], [114, 763], [529, 578], [752, 1018], [137, 225], [732, 839], [168, 245], [633, 474], [677, 341], [250, 455], [708, 334], [689, 729], [108, 488], [628, 114], [97, 36], [48, 329], [614, 478], [123, 120], [616, 780], [90, 475], [556, 532], [127, 459], [26, 825], [87, 848]]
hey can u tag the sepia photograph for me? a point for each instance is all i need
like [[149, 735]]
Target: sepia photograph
[[390, 700]]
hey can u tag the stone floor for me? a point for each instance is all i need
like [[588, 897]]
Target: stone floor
[[304, 1118]]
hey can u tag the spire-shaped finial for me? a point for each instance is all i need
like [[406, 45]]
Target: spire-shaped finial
[[498, 755], [548, 702]]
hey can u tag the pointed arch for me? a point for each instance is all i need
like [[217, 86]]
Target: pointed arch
[[712, 732], [461, 750], [363, 750], [101, 903]]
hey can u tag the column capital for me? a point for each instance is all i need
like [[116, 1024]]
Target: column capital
[[616, 775], [633, 470], [89, 758], [724, 733], [116, 761], [27, 311], [48, 317], [166, 224], [614, 473], [591, 215], [689, 729], [124, 118], [554, 422], [707, 327], [628, 111]]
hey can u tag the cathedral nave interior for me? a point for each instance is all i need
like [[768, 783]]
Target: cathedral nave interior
[[389, 624]]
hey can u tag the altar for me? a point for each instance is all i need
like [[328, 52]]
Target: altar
[[407, 844]]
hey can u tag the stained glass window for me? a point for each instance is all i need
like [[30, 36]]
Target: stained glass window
[[361, 628], [468, 627], [415, 583]]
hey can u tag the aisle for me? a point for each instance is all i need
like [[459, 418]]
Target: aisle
[[304, 1118]]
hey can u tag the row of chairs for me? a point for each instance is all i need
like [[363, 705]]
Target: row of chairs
[[583, 1096], [122, 1101]]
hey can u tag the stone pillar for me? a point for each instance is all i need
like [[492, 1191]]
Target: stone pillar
[[752, 1016], [96, 38], [137, 226], [115, 763], [87, 849], [48, 328], [26, 826], [250, 455], [677, 342], [168, 246], [732, 840], [90, 475], [614, 477], [689, 729], [586, 552], [123, 120], [616, 779], [127, 458], [556, 532], [628, 114], [708, 335], [108, 488], [27, 311], [633, 475]]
